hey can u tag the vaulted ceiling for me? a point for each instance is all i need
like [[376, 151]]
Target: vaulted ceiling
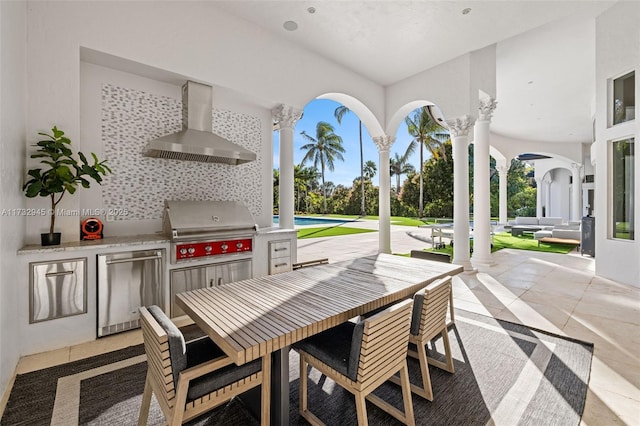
[[545, 49]]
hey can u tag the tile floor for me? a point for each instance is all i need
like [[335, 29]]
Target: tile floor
[[553, 292], [557, 293]]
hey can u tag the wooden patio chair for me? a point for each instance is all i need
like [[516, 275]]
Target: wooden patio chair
[[429, 319], [360, 357], [190, 379], [439, 257]]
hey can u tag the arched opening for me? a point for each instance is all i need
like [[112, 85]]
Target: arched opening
[[335, 162], [551, 176], [422, 139]]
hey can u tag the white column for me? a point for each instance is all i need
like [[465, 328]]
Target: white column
[[481, 191], [576, 191], [503, 172], [538, 196], [459, 128], [547, 195], [384, 213], [286, 118]]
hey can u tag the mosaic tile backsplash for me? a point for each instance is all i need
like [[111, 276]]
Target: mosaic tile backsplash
[[130, 118]]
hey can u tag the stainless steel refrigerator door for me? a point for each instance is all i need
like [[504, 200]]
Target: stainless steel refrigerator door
[[57, 289], [127, 281]]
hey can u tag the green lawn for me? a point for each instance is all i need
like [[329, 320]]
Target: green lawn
[[330, 232], [524, 242], [500, 240], [395, 220]]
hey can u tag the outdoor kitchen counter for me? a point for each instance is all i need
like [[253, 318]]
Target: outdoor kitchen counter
[[122, 241], [108, 242]]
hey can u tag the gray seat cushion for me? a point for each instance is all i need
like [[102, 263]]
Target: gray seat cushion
[[541, 234], [177, 346], [196, 352], [418, 300], [202, 350], [338, 347]]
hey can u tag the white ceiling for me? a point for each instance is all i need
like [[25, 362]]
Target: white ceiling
[[550, 43]]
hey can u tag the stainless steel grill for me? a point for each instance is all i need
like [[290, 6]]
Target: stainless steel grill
[[211, 244], [208, 228]]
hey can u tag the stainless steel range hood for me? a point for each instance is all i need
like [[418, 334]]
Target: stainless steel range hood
[[196, 141]]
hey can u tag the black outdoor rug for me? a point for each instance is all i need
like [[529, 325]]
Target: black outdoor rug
[[506, 374]]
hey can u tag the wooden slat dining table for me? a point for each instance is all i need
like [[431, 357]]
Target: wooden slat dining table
[[258, 316]]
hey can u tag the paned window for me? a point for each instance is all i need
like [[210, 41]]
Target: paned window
[[622, 178], [624, 98]]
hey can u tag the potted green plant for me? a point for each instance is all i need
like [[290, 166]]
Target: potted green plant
[[62, 173]]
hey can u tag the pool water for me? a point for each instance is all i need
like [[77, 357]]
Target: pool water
[[302, 220]]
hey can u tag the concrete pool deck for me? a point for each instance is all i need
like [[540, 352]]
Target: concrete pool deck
[[346, 247], [558, 293]]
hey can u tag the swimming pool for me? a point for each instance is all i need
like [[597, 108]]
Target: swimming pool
[[303, 220]]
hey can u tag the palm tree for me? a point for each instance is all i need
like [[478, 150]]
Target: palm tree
[[331, 187], [305, 179], [324, 149], [276, 188], [427, 133], [339, 113], [370, 169], [399, 166]]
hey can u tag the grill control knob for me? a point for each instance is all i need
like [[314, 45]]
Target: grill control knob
[[239, 245], [208, 249], [191, 250], [224, 247], [183, 251]]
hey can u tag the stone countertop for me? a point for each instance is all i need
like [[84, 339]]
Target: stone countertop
[[121, 241], [275, 230]]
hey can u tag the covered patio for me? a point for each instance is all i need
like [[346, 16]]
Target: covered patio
[[510, 77]]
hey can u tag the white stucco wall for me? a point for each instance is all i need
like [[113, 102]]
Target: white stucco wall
[[210, 46], [482, 75], [454, 87], [446, 85], [511, 148], [560, 199], [617, 52], [12, 136]]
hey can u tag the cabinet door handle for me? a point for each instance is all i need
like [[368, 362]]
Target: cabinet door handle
[[277, 265], [134, 259], [220, 281], [280, 249], [58, 274]]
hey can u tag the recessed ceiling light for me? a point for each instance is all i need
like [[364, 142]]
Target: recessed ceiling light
[[530, 82], [466, 10], [290, 25], [311, 9]]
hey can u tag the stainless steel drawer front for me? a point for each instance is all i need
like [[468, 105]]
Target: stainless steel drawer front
[[57, 289], [279, 256], [213, 275], [126, 281]]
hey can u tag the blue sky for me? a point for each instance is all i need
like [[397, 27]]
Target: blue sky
[[344, 173]]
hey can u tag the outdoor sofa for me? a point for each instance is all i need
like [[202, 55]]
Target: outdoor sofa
[[532, 224], [565, 232]]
